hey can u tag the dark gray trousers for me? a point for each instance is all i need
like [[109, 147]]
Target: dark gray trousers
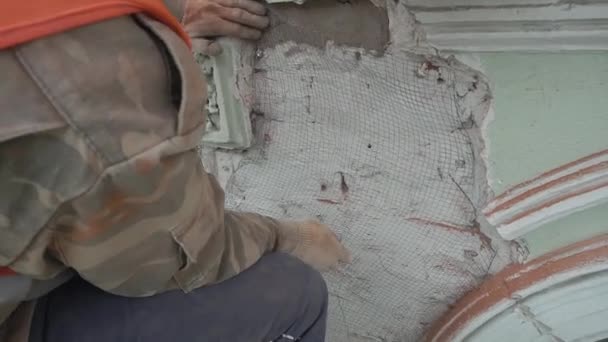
[[277, 299]]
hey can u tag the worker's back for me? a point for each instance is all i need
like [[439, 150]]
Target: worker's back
[[77, 107]]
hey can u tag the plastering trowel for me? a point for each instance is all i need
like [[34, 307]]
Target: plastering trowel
[[229, 77]]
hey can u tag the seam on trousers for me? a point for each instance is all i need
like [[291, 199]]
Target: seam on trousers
[[287, 337]]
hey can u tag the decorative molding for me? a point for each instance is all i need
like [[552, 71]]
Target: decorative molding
[[229, 76], [228, 113], [513, 25], [573, 187], [573, 274]]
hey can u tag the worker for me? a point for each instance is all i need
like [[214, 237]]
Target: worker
[[110, 230]]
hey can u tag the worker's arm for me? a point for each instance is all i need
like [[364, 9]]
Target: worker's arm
[[147, 226]]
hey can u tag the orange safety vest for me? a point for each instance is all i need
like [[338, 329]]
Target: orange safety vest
[[22, 21]]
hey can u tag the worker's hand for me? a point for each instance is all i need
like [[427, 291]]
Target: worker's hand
[[314, 243], [205, 20]]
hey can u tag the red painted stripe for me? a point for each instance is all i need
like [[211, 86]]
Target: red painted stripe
[[545, 186], [550, 173], [555, 201], [512, 279], [5, 271]]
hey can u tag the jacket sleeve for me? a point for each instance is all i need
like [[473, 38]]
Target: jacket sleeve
[[146, 227]]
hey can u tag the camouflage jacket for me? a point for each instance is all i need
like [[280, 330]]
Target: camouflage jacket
[[99, 173]]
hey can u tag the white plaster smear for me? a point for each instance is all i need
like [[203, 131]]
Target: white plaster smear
[[321, 113], [404, 144]]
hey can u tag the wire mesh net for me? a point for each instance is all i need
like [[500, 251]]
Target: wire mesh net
[[374, 146]]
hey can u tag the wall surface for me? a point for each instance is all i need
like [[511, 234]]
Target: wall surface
[[373, 135], [561, 296], [573, 228], [513, 25], [549, 109]]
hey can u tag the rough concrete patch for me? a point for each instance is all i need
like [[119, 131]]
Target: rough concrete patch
[[382, 153], [356, 23], [384, 149], [405, 32]]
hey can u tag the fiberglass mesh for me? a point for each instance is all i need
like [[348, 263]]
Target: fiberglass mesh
[[365, 144]]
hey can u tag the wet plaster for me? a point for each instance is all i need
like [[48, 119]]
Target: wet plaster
[[377, 137]]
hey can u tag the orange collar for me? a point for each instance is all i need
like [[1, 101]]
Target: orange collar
[[22, 21]]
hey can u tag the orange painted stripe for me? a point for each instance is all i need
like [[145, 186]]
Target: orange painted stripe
[[550, 173], [515, 278], [508, 204], [554, 201]]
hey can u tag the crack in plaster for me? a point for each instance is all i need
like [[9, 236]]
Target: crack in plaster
[[527, 315]]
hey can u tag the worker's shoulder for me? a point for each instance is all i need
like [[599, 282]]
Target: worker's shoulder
[[76, 103], [114, 83]]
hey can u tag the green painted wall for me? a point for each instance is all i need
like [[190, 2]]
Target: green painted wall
[[573, 228], [549, 109]]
